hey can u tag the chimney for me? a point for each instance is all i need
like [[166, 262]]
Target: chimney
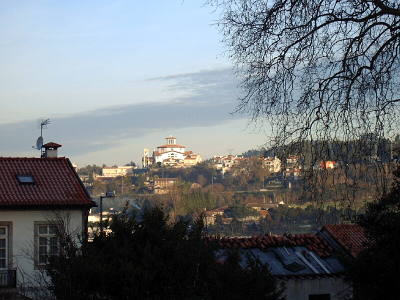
[[50, 150]]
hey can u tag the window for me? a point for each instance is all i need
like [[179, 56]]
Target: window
[[3, 247], [46, 241], [6, 242], [25, 179]]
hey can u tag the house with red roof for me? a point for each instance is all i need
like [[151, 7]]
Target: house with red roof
[[307, 264], [38, 198], [224, 163], [272, 164]]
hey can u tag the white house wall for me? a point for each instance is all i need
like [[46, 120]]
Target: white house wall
[[23, 237]]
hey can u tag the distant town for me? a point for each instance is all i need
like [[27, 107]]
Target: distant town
[[239, 194]]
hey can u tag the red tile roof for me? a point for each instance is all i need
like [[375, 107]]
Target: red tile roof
[[264, 213], [171, 146], [351, 237], [55, 183], [312, 242]]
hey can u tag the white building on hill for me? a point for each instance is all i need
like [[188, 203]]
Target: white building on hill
[[272, 164], [172, 154], [224, 163]]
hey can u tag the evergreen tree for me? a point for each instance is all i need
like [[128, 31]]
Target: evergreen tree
[[375, 271], [156, 259]]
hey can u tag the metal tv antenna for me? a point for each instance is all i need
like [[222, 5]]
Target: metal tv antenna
[[43, 125]]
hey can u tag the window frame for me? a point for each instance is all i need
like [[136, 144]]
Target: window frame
[[49, 244], [9, 242], [25, 179]]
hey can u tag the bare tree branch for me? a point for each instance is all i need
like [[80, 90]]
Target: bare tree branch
[[318, 70]]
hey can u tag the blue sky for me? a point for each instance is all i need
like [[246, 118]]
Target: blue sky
[[115, 77]]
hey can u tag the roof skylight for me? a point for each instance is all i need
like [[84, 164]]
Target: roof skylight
[[25, 179]]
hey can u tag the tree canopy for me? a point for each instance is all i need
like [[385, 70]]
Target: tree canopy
[[374, 272], [156, 259]]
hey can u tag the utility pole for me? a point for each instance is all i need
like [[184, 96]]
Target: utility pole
[[108, 195]]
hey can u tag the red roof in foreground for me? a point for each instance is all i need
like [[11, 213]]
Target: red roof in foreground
[[312, 242], [351, 237], [55, 183]]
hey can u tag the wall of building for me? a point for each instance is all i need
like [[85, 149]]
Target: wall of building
[[301, 289], [117, 171], [21, 238], [164, 182], [170, 154]]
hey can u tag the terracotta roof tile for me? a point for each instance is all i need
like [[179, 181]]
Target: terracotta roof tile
[[55, 183], [313, 243], [171, 146], [350, 236]]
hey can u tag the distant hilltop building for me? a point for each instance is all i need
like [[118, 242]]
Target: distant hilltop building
[[273, 164], [171, 154]]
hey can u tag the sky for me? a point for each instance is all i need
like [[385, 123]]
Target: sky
[[115, 77]]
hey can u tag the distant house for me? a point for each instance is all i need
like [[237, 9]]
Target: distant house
[[224, 163], [262, 209], [162, 185], [262, 206], [271, 164], [323, 165], [306, 264], [164, 182], [292, 162], [38, 197], [117, 171], [210, 216], [192, 159]]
